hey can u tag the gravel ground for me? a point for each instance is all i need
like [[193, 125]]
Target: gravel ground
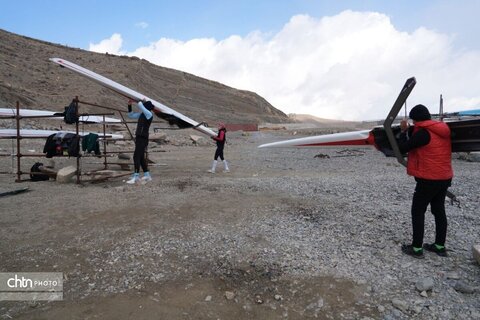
[[287, 234]]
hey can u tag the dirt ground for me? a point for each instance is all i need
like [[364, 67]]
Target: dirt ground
[[102, 237]]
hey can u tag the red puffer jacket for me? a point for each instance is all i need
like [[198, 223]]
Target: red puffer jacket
[[434, 160]]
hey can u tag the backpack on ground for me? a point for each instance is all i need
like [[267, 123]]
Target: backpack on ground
[[38, 176]]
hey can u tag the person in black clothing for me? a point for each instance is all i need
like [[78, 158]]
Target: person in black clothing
[[221, 138], [145, 118], [429, 160]]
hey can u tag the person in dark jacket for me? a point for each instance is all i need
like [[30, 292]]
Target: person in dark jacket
[[428, 144], [144, 117], [221, 138]]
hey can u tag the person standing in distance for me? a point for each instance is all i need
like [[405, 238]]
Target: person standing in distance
[[428, 144], [221, 138], [145, 118]]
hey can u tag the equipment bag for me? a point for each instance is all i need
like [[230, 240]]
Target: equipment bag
[[38, 177], [71, 113]]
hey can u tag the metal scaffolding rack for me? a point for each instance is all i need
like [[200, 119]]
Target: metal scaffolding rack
[[105, 138]]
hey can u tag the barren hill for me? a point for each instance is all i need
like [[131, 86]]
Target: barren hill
[[28, 76]]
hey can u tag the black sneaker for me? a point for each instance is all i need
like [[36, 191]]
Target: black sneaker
[[408, 249], [433, 248]]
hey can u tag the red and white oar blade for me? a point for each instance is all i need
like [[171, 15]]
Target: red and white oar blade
[[353, 138]]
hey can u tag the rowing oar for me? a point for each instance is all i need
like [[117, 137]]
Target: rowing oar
[[387, 125]]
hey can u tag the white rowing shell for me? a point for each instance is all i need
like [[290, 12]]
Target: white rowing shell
[[5, 112], [31, 133], [132, 94]]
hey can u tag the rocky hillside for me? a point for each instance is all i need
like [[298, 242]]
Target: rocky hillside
[[320, 122], [26, 75]]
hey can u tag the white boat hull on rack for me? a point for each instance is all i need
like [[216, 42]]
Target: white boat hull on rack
[[32, 133], [9, 112]]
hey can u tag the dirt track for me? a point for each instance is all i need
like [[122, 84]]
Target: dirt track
[[292, 236]]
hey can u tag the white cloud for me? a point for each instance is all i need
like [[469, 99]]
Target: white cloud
[[142, 25], [111, 45], [348, 66]]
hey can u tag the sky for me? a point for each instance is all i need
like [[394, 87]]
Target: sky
[[343, 60]]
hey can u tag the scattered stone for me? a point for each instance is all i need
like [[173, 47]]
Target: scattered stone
[[463, 287], [124, 156], [476, 252], [474, 157], [424, 294], [278, 297], [400, 304], [159, 137], [258, 299], [195, 139], [417, 309], [208, 298], [65, 175], [229, 295], [396, 314], [424, 284]]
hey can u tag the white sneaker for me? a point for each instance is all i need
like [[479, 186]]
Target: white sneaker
[[211, 171], [146, 179], [134, 180]]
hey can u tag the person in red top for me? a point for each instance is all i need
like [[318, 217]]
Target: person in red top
[[221, 138], [428, 144]]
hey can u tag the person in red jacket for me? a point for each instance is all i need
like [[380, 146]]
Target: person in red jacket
[[221, 138], [428, 144]]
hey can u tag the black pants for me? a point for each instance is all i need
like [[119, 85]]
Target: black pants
[[141, 144], [431, 192], [218, 153]]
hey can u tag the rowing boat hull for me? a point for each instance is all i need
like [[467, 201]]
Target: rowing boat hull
[[163, 111]]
